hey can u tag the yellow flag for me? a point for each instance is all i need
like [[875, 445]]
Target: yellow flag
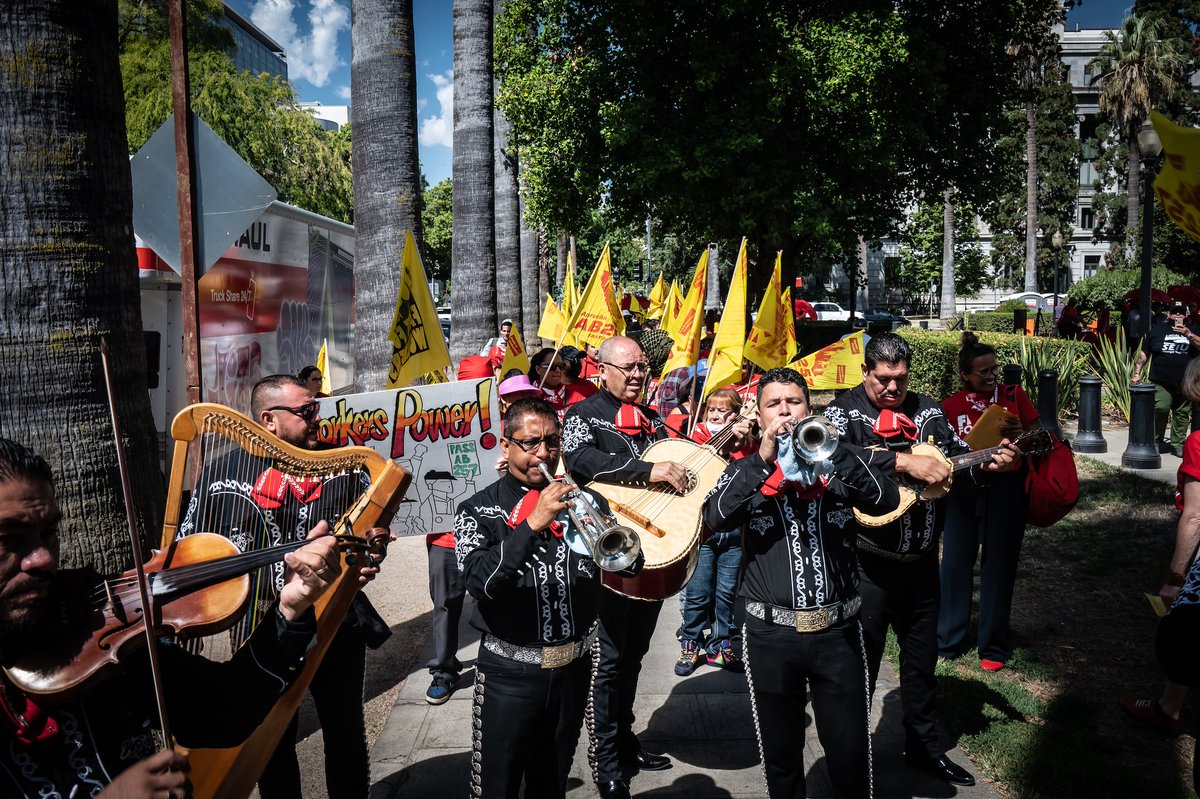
[[322, 367], [772, 340], [725, 359], [515, 355], [569, 300], [598, 315], [674, 304], [689, 322], [1176, 182], [837, 366], [553, 326], [417, 343], [658, 299]]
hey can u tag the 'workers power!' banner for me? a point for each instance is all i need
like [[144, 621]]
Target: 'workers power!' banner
[[447, 435]]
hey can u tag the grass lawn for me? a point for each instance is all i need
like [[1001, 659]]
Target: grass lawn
[[1048, 725]]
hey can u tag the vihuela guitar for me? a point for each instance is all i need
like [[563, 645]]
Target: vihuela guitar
[[668, 522], [1035, 442]]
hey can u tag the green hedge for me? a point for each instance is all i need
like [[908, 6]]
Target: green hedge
[[812, 336], [1111, 285], [934, 367], [1002, 321]]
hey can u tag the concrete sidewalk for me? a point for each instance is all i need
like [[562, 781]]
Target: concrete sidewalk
[[703, 722], [1117, 439]]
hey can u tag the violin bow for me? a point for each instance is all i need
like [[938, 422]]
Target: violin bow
[[139, 568]]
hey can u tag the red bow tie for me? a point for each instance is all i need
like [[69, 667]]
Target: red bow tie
[[891, 424], [777, 484], [273, 486], [631, 421]]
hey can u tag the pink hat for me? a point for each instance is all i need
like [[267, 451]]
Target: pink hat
[[518, 385]]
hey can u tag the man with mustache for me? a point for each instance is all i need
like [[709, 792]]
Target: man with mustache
[[603, 439], [898, 562], [105, 741]]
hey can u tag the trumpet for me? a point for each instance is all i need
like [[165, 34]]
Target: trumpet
[[612, 545], [815, 439]]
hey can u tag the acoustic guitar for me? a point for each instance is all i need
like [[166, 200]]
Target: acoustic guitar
[[1035, 442], [668, 522]]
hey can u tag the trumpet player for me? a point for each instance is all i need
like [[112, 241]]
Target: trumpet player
[[536, 606], [800, 584]]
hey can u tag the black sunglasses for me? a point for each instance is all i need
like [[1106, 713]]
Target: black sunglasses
[[306, 411], [529, 445]]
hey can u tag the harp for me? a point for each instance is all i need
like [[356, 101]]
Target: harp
[[258, 489]]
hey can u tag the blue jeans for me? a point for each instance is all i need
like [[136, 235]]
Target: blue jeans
[[707, 600]]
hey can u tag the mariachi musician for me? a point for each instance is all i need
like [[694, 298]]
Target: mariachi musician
[[105, 741], [800, 584], [604, 437], [536, 602]]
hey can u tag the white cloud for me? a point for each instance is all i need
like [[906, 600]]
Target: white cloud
[[310, 56], [439, 130], [343, 92]]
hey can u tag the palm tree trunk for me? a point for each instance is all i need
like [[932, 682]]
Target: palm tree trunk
[[473, 272], [508, 219], [531, 299], [1133, 182], [387, 176], [66, 273], [947, 309], [1031, 209]]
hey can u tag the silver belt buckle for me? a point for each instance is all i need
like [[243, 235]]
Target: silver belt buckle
[[812, 621], [555, 657]]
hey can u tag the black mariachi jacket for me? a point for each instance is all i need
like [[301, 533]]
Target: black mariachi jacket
[[111, 727], [533, 590], [594, 449], [799, 552], [918, 529]]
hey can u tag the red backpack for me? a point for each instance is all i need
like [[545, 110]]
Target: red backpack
[[1052, 485]]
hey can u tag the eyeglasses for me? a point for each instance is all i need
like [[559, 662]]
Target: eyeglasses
[[553, 367], [995, 370], [306, 411], [630, 370], [531, 444]]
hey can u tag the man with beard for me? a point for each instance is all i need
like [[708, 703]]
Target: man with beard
[[256, 505], [102, 741], [898, 562], [604, 437]]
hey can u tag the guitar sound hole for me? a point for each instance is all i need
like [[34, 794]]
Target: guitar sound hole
[[692, 479]]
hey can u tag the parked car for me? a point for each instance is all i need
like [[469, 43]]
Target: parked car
[[827, 311], [1032, 299], [880, 318]]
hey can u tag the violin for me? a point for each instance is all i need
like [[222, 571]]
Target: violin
[[199, 586]]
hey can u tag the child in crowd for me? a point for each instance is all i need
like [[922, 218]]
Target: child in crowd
[[708, 599]]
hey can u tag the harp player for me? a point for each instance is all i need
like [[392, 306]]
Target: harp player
[[246, 498], [103, 742]]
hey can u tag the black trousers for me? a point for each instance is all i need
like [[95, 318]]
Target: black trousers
[[905, 596], [626, 627], [991, 518], [781, 665], [447, 592], [337, 692], [527, 722]]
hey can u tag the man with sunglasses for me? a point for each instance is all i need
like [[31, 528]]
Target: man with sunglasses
[[536, 601], [263, 507], [604, 438]]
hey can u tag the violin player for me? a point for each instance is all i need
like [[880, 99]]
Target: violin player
[[104, 741], [898, 562], [265, 504], [536, 603], [800, 583]]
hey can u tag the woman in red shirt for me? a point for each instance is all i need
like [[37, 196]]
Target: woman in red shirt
[[548, 370], [988, 512]]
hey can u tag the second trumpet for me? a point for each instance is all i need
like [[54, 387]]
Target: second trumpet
[[613, 546]]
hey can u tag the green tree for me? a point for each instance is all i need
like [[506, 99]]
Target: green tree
[[256, 115], [920, 258], [437, 217], [65, 276]]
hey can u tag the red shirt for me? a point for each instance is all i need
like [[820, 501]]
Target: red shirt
[[565, 396], [1190, 466], [701, 435], [964, 408]]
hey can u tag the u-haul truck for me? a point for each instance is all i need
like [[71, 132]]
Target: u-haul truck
[[285, 286]]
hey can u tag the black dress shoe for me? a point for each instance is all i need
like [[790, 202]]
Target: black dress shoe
[[617, 789], [943, 768], [644, 761]]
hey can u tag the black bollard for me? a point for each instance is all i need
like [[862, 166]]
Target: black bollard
[[1048, 401], [1012, 374], [1089, 437], [1142, 452]]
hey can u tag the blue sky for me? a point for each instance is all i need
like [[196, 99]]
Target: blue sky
[[316, 36]]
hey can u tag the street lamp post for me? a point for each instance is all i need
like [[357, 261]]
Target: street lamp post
[[1150, 147], [1057, 242]]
